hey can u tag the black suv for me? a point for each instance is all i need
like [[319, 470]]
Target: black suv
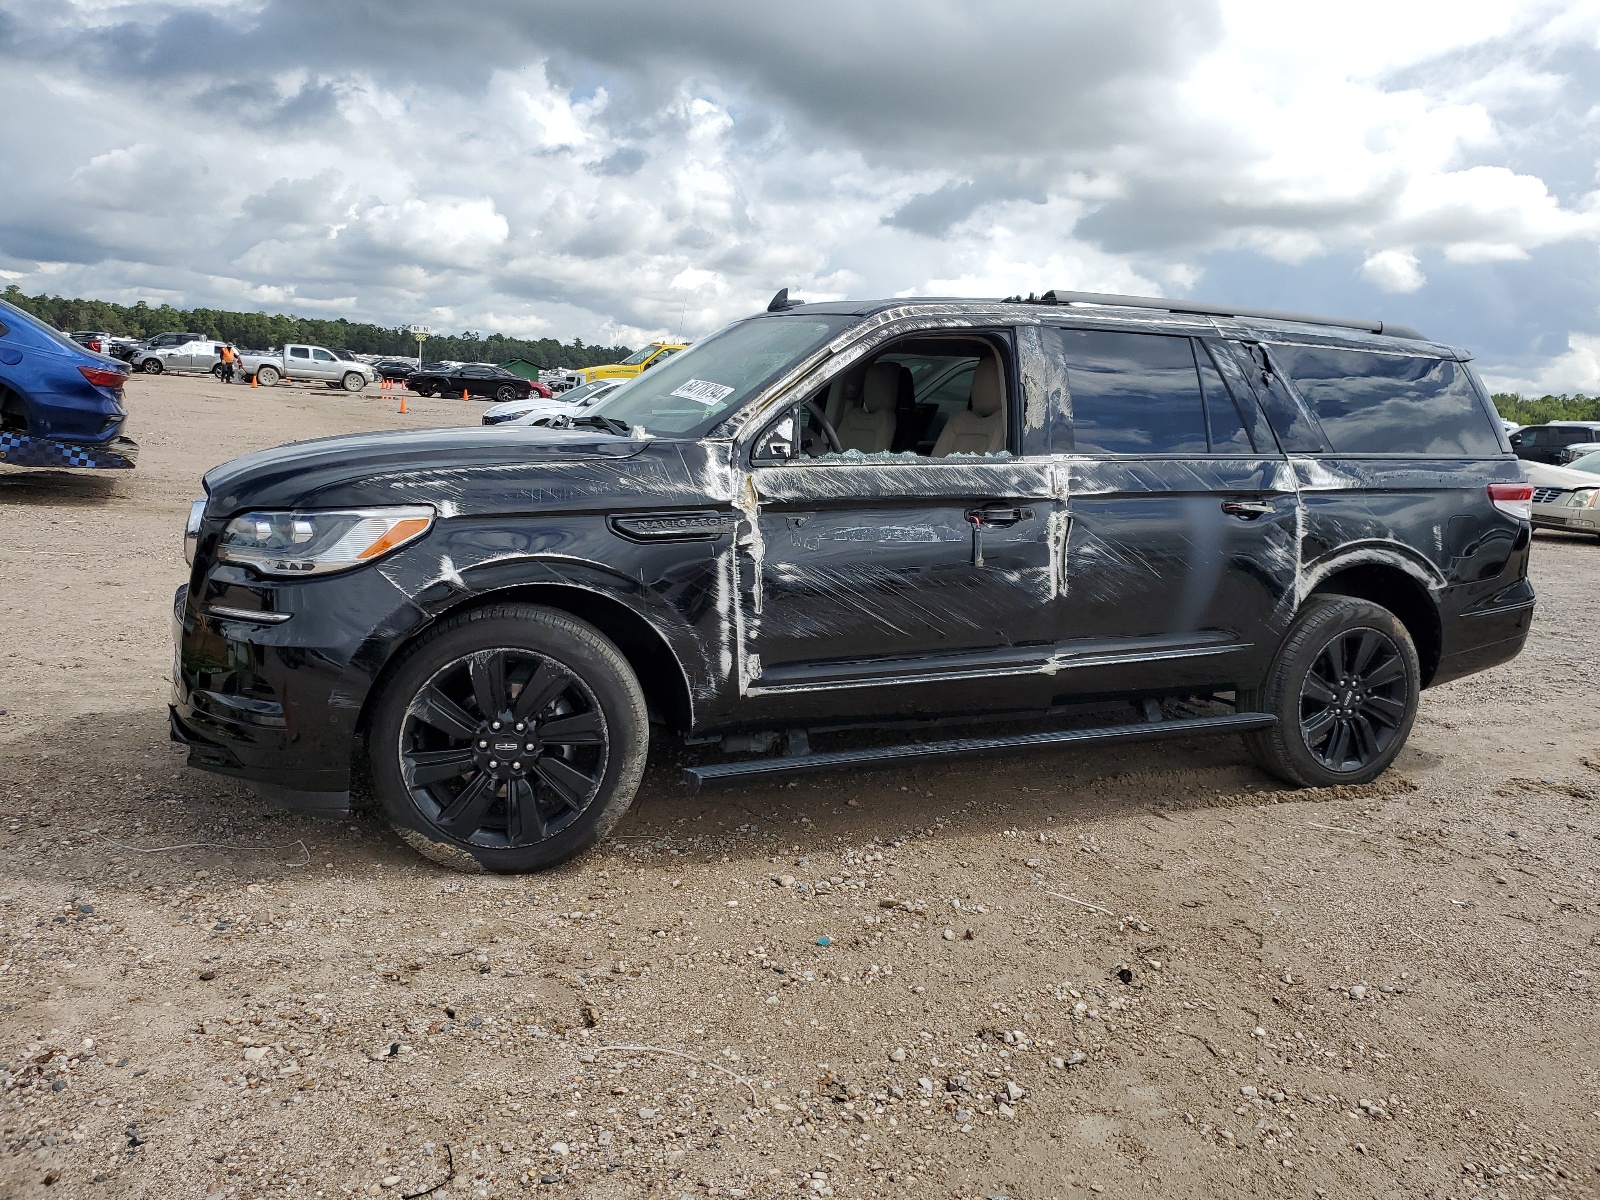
[[1549, 443], [830, 515]]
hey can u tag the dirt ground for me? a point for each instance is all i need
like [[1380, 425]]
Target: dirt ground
[[1137, 972]]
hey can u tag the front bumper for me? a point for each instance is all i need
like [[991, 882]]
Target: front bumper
[[1566, 516], [24, 450]]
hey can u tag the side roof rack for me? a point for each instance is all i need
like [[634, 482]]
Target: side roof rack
[[1182, 307]]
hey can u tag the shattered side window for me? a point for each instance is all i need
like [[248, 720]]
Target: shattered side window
[[1133, 393], [1371, 403]]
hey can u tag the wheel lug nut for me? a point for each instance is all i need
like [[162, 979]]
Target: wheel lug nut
[[516, 766], [529, 746], [493, 764], [520, 726], [494, 724], [483, 745]]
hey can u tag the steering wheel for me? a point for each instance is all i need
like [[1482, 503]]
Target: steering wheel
[[828, 431]]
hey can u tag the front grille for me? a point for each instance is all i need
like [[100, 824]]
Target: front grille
[[1547, 495]]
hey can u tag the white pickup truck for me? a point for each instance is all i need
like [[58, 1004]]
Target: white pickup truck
[[308, 364]]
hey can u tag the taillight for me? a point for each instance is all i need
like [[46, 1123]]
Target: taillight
[[95, 345], [1513, 499], [101, 377]]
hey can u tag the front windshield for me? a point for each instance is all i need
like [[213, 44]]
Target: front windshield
[[585, 392], [1589, 462], [638, 356], [697, 387]]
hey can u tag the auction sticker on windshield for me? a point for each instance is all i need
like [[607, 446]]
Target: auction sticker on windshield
[[704, 392]]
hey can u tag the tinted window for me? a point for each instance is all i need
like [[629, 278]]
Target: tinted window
[[1390, 403], [299, 352], [322, 356], [1133, 393], [1226, 427]]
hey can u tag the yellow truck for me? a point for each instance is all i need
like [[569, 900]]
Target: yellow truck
[[636, 363]]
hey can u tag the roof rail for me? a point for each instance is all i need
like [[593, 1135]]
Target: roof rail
[[1215, 310]]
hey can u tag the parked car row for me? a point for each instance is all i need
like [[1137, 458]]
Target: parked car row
[[1556, 442]]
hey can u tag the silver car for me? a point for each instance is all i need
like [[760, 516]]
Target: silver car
[[1566, 497]]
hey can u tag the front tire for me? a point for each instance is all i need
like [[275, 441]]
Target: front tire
[[508, 739], [1344, 687], [152, 366], [267, 376], [353, 381]]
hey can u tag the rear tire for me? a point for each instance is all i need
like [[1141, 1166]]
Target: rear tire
[[1344, 687], [451, 732], [505, 393], [267, 376]]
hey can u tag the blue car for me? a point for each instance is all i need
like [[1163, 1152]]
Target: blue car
[[60, 404]]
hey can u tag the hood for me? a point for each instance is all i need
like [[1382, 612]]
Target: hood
[[393, 466], [1546, 475]]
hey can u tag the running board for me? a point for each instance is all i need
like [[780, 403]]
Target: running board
[[1138, 731]]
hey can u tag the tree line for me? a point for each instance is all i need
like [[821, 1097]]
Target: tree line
[[258, 331], [1525, 410]]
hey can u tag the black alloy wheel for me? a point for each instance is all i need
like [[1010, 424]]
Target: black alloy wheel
[[1344, 686], [504, 747], [1354, 699], [505, 393], [508, 739]]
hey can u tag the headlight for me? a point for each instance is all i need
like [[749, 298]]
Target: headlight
[[1583, 498], [191, 530], [320, 543]]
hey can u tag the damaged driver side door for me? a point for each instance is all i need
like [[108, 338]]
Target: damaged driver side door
[[863, 573]]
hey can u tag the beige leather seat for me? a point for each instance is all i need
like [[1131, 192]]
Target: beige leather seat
[[867, 422], [982, 428]]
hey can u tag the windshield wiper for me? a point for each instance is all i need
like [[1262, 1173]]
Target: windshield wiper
[[609, 424]]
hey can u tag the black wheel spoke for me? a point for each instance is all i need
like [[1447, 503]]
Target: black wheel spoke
[[585, 729], [465, 814], [523, 820], [1364, 737], [1367, 646], [443, 713], [424, 767], [1316, 688], [1338, 744], [548, 682], [1385, 672], [570, 785], [488, 672], [1383, 710], [1316, 728]]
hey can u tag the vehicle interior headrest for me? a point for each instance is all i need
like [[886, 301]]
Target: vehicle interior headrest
[[881, 386], [988, 393]]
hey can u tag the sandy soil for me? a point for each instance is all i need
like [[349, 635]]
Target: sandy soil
[[1143, 972]]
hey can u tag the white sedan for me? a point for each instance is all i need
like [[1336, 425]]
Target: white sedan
[[538, 408]]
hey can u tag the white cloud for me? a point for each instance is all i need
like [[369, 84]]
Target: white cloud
[[1576, 371], [1393, 271]]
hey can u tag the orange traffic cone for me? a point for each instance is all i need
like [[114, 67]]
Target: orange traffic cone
[[463, 393], [403, 402], [253, 382]]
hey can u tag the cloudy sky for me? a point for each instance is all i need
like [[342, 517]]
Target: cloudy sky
[[617, 170]]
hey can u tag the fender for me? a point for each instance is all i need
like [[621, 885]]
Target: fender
[[1372, 552]]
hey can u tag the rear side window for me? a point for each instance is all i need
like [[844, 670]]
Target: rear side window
[[299, 352], [1133, 393], [1145, 393], [1390, 403]]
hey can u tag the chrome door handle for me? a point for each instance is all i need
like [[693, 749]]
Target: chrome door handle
[[1247, 510]]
